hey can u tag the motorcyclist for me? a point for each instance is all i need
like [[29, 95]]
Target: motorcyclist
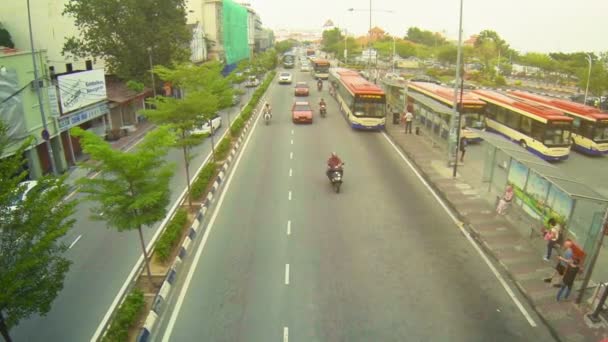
[[334, 163], [319, 84], [267, 109], [322, 103]]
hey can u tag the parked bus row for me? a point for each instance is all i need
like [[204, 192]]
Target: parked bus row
[[544, 126]]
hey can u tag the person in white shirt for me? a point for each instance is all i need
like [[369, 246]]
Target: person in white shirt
[[409, 118]]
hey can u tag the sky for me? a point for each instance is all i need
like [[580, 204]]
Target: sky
[[527, 25]]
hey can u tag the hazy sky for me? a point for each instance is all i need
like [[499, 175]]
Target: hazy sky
[[527, 25]]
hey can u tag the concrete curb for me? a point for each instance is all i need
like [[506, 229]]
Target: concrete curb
[[197, 228], [473, 233]]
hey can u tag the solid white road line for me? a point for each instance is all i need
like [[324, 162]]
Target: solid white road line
[[290, 172], [199, 251], [116, 301], [289, 196], [73, 243], [466, 234], [286, 274], [285, 334], [289, 227], [290, 155]]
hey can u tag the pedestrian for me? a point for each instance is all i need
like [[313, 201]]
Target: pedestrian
[[551, 236], [505, 200], [409, 118], [570, 273], [463, 148], [562, 262]]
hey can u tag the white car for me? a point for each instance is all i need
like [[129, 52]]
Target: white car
[[305, 67], [285, 78], [21, 194], [251, 82], [208, 127]]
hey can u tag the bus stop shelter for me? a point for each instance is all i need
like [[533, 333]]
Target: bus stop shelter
[[542, 190]]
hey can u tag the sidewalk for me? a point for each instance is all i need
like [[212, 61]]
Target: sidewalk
[[506, 239], [76, 172]]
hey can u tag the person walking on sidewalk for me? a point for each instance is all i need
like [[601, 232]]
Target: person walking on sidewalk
[[463, 148], [568, 279], [551, 236], [562, 262], [409, 118], [505, 201]]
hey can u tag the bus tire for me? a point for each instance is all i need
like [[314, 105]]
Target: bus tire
[[523, 144]]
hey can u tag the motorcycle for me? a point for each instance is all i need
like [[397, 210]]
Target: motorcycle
[[267, 117], [323, 110], [319, 86], [335, 177]]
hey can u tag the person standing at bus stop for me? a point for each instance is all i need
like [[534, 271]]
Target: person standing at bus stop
[[408, 118]]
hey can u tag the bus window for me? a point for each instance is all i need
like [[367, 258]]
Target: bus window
[[501, 115], [537, 130], [374, 109], [512, 119], [600, 133], [585, 129], [557, 134], [526, 125]]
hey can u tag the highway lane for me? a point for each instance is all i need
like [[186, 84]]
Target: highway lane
[[381, 261], [102, 259]]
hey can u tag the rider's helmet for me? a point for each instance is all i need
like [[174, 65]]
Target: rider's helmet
[[334, 155]]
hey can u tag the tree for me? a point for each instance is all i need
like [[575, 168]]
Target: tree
[[121, 32], [448, 54], [598, 83], [425, 37], [32, 264], [491, 36], [133, 188], [5, 38], [203, 93], [284, 45]]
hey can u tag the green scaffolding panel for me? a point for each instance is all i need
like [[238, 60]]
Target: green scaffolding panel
[[234, 26]]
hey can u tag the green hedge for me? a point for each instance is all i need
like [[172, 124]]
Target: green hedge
[[203, 179], [222, 149], [128, 312], [237, 126], [171, 236]]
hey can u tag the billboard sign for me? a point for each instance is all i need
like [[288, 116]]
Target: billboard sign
[[81, 89]]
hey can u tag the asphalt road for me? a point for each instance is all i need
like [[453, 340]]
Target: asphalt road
[[102, 260], [381, 261]]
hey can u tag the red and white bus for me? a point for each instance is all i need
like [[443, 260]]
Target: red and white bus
[[539, 129], [362, 103], [589, 124]]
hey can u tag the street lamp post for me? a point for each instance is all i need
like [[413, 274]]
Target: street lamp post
[[393, 59], [37, 87], [590, 60], [455, 122], [151, 71]]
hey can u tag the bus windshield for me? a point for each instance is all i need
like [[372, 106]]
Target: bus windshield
[[557, 134], [321, 68], [600, 132], [473, 120], [367, 108]]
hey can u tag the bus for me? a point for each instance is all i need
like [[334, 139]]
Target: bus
[[320, 68], [589, 125], [362, 103], [310, 52], [539, 129], [420, 93], [289, 60]]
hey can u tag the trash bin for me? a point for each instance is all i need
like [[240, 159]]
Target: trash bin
[[396, 118]]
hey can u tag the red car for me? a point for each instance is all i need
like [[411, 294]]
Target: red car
[[301, 112], [301, 89]]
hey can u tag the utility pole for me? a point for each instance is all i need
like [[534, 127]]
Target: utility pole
[[453, 135], [151, 71], [46, 133]]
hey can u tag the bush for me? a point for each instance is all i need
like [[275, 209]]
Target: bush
[[222, 149], [171, 236], [128, 312], [236, 127], [500, 80], [202, 181]]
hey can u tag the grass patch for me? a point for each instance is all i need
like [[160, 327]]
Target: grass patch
[[126, 316], [202, 181], [222, 149], [171, 236]]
